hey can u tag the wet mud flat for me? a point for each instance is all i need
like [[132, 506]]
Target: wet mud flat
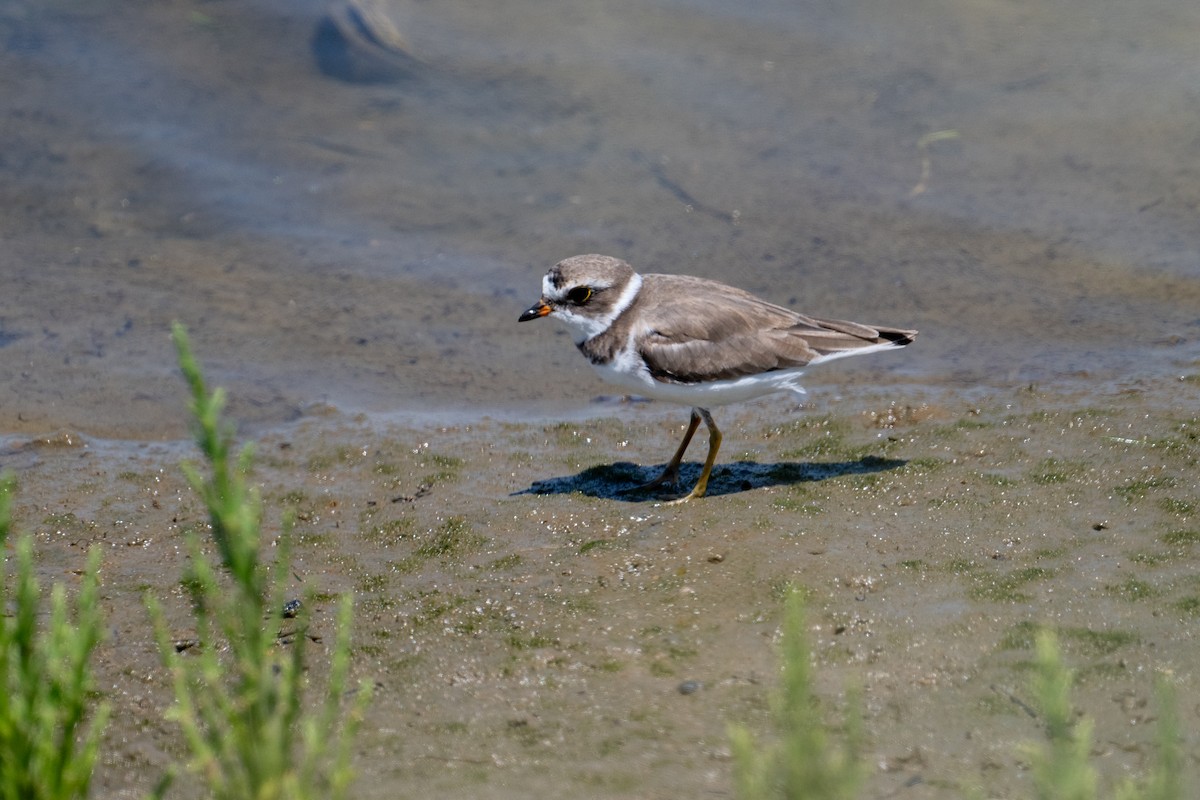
[[534, 630]]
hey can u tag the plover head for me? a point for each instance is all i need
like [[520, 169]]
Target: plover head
[[587, 293]]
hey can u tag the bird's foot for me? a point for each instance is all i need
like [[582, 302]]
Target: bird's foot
[[668, 477], [693, 494]]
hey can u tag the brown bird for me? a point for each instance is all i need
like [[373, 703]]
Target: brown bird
[[693, 341]]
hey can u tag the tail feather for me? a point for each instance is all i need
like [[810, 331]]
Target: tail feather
[[852, 339], [896, 336], [830, 336]]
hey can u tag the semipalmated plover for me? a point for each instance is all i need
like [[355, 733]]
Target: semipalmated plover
[[693, 341]]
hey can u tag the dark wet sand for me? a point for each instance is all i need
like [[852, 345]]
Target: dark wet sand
[[541, 652]]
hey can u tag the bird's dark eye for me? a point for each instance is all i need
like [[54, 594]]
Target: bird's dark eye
[[580, 295]]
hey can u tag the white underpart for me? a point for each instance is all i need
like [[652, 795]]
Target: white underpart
[[583, 327], [629, 371]]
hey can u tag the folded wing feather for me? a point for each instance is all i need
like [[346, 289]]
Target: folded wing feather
[[706, 336]]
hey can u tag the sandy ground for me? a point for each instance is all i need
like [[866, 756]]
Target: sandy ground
[[534, 631], [338, 247]]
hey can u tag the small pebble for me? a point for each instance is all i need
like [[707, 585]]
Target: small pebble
[[689, 687]]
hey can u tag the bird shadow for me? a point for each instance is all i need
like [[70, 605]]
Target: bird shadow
[[621, 480]]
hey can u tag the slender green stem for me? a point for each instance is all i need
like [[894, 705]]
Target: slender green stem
[[239, 695], [48, 746]]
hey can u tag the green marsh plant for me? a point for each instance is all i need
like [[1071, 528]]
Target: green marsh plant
[[1060, 766], [48, 744], [253, 732], [805, 761]]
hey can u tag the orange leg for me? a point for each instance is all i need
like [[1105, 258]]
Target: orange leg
[[714, 444]]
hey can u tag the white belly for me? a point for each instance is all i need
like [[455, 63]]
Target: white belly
[[705, 395]]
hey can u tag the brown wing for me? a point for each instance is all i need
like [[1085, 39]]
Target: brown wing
[[708, 331]]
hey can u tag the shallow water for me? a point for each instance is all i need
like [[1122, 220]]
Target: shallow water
[[369, 245]]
